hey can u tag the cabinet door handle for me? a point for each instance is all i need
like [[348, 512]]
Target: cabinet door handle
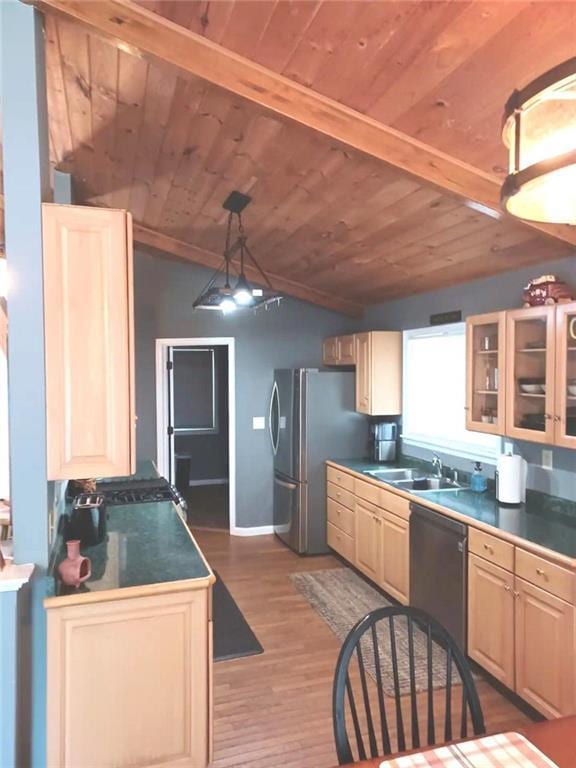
[[542, 573], [547, 416], [516, 594], [507, 587], [488, 548], [557, 418]]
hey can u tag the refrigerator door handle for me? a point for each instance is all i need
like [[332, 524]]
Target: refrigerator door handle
[[284, 484], [274, 419]]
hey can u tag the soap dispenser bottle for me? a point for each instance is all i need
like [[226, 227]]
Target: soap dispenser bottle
[[478, 482]]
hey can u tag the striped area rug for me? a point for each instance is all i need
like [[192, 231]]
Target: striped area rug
[[342, 598]]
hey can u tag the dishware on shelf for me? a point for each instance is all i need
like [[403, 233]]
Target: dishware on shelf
[[75, 568], [532, 386], [572, 388]]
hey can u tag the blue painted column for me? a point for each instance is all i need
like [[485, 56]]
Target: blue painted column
[[26, 185], [8, 671]]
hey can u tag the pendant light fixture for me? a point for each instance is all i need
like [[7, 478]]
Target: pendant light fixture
[[540, 132], [242, 295]]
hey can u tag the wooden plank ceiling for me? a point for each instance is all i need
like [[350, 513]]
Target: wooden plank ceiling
[[140, 135]]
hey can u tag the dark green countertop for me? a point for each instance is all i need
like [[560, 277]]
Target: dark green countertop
[[545, 520], [145, 544]]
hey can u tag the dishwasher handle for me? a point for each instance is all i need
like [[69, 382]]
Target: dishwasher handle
[[438, 519]]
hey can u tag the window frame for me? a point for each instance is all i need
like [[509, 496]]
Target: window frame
[[464, 449]]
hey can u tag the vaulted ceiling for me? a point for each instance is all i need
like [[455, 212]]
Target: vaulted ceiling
[[332, 222]]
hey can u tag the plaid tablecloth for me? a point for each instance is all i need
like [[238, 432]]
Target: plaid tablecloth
[[505, 750]]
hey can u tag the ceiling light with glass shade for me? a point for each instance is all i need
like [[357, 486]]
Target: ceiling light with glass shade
[[540, 132], [219, 293]]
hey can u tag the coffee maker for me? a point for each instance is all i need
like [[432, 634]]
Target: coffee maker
[[384, 435]]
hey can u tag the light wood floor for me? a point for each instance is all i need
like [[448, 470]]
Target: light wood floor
[[275, 709]]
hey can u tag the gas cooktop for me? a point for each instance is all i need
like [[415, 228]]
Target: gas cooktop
[[139, 492]]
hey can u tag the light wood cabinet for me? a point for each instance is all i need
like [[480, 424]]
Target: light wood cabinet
[[368, 540], [521, 374], [129, 682], [379, 373], [545, 668], [491, 618], [339, 350], [565, 410], [522, 634], [485, 395], [330, 350], [530, 345], [395, 558], [89, 341]]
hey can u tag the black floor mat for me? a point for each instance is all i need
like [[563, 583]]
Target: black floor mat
[[232, 634]]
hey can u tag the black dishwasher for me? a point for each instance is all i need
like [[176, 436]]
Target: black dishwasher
[[438, 569]]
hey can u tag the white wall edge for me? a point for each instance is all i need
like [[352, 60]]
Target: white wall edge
[[260, 530]]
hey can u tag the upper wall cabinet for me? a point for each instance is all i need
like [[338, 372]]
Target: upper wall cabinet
[[88, 306], [339, 350], [530, 342], [565, 393], [485, 342], [379, 373], [521, 374]]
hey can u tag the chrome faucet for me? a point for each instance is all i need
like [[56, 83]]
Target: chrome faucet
[[437, 464]]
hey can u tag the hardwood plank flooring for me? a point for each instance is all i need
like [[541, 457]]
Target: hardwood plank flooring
[[275, 709]]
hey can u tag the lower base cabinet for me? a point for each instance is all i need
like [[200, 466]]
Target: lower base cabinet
[[395, 557], [491, 618], [523, 636], [368, 540], [545, 668], [129, 682]]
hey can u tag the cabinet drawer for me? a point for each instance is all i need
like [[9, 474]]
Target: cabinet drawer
[[392, 502], [340, 542], [546, 575], [367, 491], [340, 516], [491, 548], [341, 495], [338, 477]]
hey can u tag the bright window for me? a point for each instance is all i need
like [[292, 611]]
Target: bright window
[[4, 456], [435, 393]]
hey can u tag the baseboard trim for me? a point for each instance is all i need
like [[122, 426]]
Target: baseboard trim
[[259, 530], [213, 481]]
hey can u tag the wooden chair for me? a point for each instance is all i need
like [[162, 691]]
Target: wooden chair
[[363, 652]]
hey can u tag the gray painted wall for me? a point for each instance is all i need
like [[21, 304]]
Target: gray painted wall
[[488, 295], [290, 336]]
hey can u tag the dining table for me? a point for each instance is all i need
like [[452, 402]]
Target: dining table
[[554, 738]]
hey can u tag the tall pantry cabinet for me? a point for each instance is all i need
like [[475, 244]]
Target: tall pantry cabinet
[[89, 342]]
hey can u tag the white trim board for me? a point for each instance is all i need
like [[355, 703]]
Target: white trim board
[[162, 346], [213, 481], [259, 530]]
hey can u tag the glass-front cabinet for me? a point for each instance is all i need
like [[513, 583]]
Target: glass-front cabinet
[[565, 409], [485, 340], [530, 374]]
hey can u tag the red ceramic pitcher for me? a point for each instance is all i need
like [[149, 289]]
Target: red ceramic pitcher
[[75, 568]]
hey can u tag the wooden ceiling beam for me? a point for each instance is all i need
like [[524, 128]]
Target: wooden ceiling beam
[[193, 254], [192, 53]]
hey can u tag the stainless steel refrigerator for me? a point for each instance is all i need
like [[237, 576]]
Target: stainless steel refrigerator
[[312, 418]]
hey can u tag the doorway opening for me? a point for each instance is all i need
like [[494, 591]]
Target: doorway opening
[[195, 414]]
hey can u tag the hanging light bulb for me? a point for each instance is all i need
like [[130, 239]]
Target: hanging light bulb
[[228, 305], [243, 293]]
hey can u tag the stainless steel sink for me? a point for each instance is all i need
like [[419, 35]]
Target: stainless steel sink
[[429, 483], [391, 475]]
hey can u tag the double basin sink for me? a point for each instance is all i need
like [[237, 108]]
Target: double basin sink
[[414, 480]]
